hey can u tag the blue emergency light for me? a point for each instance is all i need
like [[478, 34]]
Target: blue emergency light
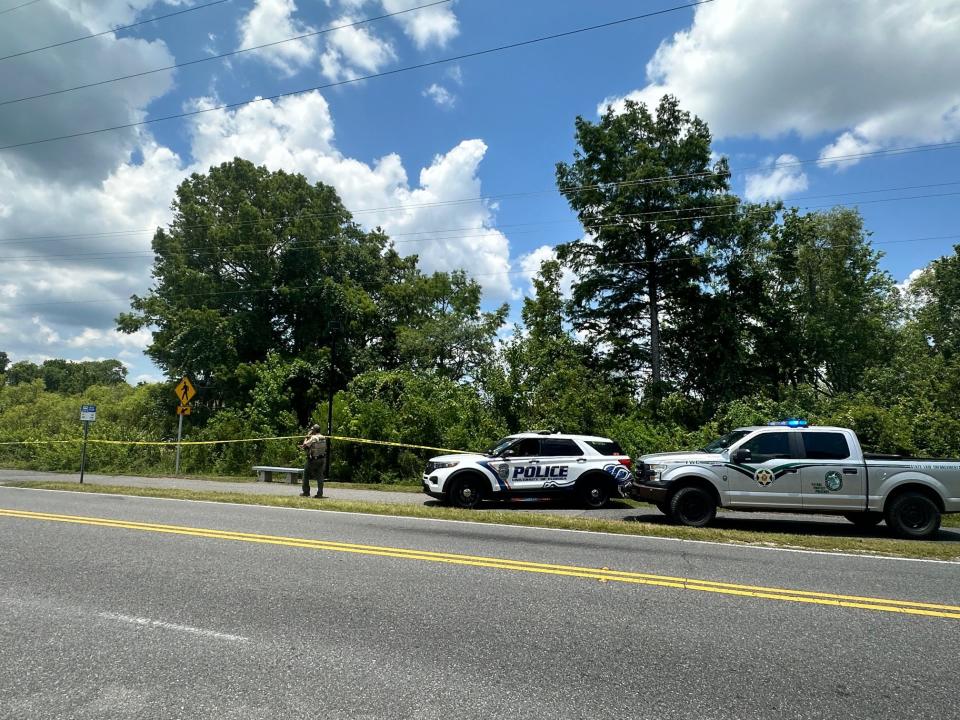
[[792, 422]]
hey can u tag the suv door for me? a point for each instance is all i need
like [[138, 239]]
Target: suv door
[[524, 464], [770, 477], [829, 479], [561, 462]]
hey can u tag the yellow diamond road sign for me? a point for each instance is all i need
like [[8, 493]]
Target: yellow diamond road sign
[[185, 391]]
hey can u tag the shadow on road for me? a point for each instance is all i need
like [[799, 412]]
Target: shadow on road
[[823, 526]]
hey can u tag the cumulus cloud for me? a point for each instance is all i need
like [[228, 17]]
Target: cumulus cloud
[[441, 97], [531, 263], [354, 51], [875, 72], [272, 20], [441, 221], [435, 26], [782, 179]]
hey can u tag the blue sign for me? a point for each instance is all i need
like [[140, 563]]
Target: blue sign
[[88, 413]]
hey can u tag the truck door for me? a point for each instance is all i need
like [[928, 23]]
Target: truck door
[[830, 479], [770, 478]]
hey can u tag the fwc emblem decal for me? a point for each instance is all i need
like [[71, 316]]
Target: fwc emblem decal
[[833, 480], [763, 477]]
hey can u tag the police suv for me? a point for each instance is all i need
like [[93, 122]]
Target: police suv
[[793, 467], [532, 464]]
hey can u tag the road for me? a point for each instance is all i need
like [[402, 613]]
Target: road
[[142, 608], [828, 525]]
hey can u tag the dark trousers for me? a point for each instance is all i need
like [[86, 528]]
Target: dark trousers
[[313, 470]]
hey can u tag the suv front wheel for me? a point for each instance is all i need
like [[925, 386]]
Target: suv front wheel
[[467, 492], [595, 493]]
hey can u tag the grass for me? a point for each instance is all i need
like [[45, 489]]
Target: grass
[[828, 543]]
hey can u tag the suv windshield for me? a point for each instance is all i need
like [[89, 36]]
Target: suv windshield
[[501, 446], [722, 443]]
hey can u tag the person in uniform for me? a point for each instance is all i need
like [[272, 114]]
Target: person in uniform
[[315, 446]]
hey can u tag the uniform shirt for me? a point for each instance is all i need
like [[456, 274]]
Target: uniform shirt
[[316, 446]]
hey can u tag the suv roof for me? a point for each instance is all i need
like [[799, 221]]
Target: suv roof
[[561, 436]]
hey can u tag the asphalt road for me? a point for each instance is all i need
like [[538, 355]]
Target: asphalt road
[[103, 613]]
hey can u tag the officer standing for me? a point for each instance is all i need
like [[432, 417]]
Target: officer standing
[[315, 445]]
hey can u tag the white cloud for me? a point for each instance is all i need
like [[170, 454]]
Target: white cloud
[[354, 51], [272, 20], [530, 266], [782, 179], [436, 25], [98, 337], [878, 72], [441, 96]]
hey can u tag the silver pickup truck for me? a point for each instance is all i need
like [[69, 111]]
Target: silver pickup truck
[[789, 466]]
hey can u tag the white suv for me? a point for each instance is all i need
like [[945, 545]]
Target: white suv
[[532, 463]]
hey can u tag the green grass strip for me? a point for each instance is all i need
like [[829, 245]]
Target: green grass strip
[[934, 550]]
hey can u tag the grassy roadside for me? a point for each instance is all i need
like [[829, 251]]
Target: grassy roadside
[[865, 546]]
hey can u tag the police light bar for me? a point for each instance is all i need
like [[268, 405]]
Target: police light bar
[[794, 423]]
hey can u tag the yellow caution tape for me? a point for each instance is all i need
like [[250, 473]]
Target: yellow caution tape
[[173, 443]]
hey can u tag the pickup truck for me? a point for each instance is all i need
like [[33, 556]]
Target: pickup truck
[[792, 467]]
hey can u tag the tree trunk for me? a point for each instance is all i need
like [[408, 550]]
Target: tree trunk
[[653, 293]]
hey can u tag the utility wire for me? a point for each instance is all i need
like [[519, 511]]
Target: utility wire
[[222, 55], [112, 30], [442, 203], [17, 7], [396, 71]]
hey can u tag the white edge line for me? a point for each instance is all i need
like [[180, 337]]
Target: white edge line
[[739, 545], [150, 622]]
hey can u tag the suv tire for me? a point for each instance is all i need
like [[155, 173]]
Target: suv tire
[[693, 506], [913, 515], [595, 493], [467, 492]]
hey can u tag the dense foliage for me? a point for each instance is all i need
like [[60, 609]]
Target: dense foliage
[[691, 313]]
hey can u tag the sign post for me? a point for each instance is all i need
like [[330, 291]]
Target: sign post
[[184, 392], [88, 414]]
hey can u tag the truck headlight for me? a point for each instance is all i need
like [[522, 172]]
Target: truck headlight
[[655, 472]]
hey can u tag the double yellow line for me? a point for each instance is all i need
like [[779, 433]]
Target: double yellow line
[[904, 607]]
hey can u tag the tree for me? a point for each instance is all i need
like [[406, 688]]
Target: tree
[[445, 330], [4, 361], [647, 192], [256, 262], [936, 296], [22, 373]]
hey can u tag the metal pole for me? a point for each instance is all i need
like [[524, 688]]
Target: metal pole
[[83, 453], [179, 434], [333, 361]]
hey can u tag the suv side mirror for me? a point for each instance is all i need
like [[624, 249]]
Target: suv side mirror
[[509, 452], [741, 455]]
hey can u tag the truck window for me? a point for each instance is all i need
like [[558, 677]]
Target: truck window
[[768, 446], [565, 448], [825, 445]]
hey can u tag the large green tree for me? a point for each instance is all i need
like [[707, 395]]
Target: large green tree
[[258, 262], [935, 296], [650, 197]]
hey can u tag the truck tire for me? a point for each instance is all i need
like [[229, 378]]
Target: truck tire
[[594, 493], [467, 492], [865, 520], [693, 506], [913, 515]]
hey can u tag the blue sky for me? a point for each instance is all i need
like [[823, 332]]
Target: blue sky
[[776, 82]]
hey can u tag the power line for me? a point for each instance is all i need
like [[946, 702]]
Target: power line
[[17, 7], [396, 71], [221, 56], [113, 30]]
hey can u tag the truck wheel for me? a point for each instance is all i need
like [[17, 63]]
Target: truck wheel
[[595, 493], [865, 520], [692, 506], [913, 515], [466, 493]]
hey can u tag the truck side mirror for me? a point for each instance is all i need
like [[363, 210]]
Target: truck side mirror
[[742, 455]]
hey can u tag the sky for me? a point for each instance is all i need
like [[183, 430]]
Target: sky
[[455, 160]]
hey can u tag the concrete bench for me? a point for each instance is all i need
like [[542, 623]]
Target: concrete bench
[[265, 473]]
